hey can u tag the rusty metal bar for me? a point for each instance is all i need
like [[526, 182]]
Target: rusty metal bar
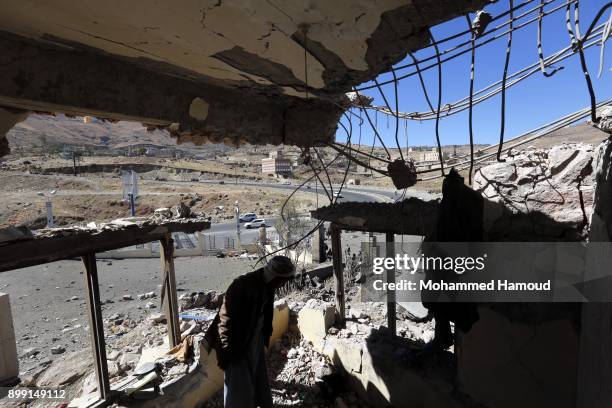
[[391, 300], [169, 286], [96, 328], [338, 272]]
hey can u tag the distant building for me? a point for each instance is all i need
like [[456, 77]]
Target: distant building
[[423, 155], [276, 165]]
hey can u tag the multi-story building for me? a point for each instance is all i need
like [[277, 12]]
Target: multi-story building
[[276, 165]]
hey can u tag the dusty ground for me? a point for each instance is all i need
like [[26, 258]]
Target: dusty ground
[[48, 301], [99, 198]]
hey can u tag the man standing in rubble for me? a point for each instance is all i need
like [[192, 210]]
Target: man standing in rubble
[[241, 333]]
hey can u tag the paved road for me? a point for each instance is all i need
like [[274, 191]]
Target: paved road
[[353, 193]]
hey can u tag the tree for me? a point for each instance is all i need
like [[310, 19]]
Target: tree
[[291, 227]]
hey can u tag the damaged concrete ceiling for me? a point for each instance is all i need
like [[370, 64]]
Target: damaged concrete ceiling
[[258, 71]]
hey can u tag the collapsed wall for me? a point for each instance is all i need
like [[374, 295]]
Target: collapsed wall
[[536, 349], [539, 194]]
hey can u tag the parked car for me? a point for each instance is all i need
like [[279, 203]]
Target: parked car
[[248, 217], [256, 223], [337, 194]]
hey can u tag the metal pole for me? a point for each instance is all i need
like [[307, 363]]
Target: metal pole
[[96, 328], [169, 285], [238, 224], [391, 314], [49, 213], [338, 272], [132, 205]]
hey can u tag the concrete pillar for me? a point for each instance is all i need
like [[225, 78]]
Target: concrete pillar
[[318, 245], [9, 365]]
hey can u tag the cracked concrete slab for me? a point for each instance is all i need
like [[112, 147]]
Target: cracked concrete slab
[[281, 65]]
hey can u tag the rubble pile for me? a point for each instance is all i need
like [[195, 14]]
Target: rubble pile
[[208, 300], [302, 377]]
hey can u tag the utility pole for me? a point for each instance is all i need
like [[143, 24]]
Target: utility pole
[[238, 223], [132, 204]]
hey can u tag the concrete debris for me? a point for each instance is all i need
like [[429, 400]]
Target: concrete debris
[[162, 213], [30, 352], [480, 22], [208, 300], [302, 377], [357, 99], [182, 210], [57, 350], [157, 317], [402, 173], [605, 121], [148, 295], [554, 186]]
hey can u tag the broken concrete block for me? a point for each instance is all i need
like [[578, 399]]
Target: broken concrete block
[[9, 365], [157, 317], [402, 173], [280, 321], [57, 350], [314, 323]]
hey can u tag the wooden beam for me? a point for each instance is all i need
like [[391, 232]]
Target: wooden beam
[[338, 272], [391, 299], [72, 243], [96, 328], [412, 216], [169, 288]]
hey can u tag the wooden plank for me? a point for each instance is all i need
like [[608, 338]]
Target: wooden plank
[[338, 273], [77, 243], [391, 298], [169, 288], [96, 328]]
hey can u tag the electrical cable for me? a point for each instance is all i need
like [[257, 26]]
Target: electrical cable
[[502, 129]]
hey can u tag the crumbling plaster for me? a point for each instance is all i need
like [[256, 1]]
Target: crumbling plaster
[[267, 71], [191, 35]]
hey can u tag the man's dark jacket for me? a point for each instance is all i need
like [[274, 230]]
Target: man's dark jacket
[[232, 329]]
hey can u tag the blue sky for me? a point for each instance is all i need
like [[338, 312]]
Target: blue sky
[[529, 104]]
